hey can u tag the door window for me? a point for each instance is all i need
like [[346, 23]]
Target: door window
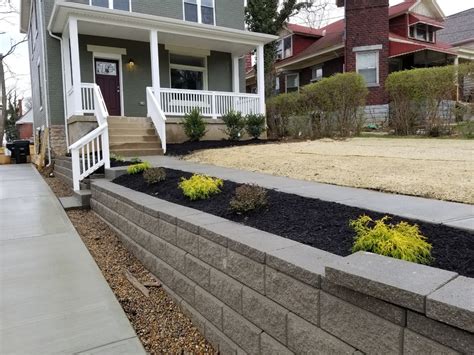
[[105, 68]]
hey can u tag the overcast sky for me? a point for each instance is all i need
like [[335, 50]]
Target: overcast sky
[[18, 63]]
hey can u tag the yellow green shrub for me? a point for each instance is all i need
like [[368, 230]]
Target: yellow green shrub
[[401, 241], [200, 187], [138, 168]]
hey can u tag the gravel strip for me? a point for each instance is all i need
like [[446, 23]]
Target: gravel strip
[[157, 320], [434, 168]]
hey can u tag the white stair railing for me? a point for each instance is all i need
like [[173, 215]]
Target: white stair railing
[[91, 151], [157, 116]]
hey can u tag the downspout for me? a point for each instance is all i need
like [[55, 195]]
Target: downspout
[[46, 91]]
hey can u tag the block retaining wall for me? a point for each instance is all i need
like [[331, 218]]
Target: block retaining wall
[[253, 292]]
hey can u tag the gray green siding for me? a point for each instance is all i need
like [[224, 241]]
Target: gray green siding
[[229, 13]]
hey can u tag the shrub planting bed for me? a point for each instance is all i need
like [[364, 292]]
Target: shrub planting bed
[[179, 149], [320, 224]]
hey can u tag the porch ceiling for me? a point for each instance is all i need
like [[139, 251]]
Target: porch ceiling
[[134, 26]]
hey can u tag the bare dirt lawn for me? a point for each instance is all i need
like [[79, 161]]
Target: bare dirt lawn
[[434, 168]]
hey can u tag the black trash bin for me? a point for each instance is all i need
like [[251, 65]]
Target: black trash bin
[[20, 150]]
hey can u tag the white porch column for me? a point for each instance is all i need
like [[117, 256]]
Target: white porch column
[[456, 64], [155, 65], [261, 78], [76, 65], [235, 73]]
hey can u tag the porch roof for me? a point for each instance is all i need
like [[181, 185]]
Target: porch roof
[[105, 22]]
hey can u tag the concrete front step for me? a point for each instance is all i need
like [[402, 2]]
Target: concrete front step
[[64, 163], [80, 200], [63, 171], [142, 145], [133, 139], [131, 131], [137, 152], [135, 125]]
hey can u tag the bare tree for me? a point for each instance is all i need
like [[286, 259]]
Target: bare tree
[[315, 15]]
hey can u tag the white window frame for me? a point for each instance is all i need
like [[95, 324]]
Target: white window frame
[[40, 85], [427, 28], [316, 68], [199, 12], [281, 47], [111, 5], [203, 69], [365, 50], [297, 81]]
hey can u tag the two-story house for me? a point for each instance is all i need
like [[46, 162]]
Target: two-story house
[[373, 39], [95, 63]]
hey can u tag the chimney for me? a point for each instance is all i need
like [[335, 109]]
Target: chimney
[[20, 108], [367, 27]]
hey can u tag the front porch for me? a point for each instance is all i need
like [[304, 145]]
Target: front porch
[[118, 63]]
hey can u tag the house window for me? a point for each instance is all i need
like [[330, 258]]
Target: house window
[[188, 72], [125, 5], [292, 82], [422, 32], [201, 11], [316, 73], [40, 85], [367, 64], [277, 85], [284, 47]]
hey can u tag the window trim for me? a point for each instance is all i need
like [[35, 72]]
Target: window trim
[[111, 5], [199, 12], [297, 79], [40, 85], [281, 43], [365, 50], [203, 69], [317, 67], [427, 27]]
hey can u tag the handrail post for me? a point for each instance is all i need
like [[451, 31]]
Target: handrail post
[[106, 152], [76, 169], [213, 105]]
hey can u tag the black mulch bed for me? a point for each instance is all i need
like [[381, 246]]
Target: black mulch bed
[[180, 149], [320, 224]]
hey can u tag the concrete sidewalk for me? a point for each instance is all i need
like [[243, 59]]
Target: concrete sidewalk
[[53, 297], [434, 211]]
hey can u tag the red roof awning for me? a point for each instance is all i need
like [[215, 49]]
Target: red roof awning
[[415, 18], [402, 48]]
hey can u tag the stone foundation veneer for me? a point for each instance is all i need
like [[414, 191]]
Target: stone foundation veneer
[[57, 136], [253, 292]]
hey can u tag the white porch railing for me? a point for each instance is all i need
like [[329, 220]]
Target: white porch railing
[[211, 103], [91, 151], [157, 116]]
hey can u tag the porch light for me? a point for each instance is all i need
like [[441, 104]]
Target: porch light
[[131, 62]]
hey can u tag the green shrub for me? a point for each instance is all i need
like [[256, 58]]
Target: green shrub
[[235, 124], [335, 105], [154, 175], [248, 198], [255, 125], [200, 187], [135, 160], [194, 125], [138, 168], [279, 110], [466, 129], [401, 241]]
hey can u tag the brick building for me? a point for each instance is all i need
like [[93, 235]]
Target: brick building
[[373, 39]]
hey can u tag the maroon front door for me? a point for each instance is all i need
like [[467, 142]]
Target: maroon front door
[[107, 76]]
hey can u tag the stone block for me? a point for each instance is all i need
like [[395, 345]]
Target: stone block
[[150, 224], [453, 303], [264, 313], [415, 344], [445, 334], [174, 296], [183, 287], [359, 328], [197, 271], [209, 306], [139, 235], [241, 331], [302, 262], [396, 281], [187, 241], [213, 232], [196, 318], [212, 253], [162, 271], [381, 308], [226, 289], [292, 294], [194, 222], [306, 338], [269, 346], [167, 231], [220, 342], [174, 257], [246, 270]]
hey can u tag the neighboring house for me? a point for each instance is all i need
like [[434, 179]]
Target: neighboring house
[[459, 32], [25, 126], [373, 39], [148, 58]]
